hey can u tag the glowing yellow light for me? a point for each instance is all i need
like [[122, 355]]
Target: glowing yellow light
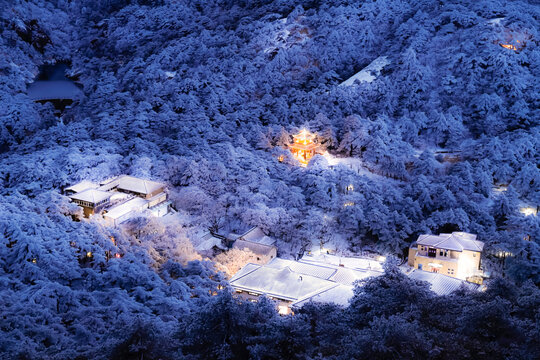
[[349, 203], [528, 210], [34, 260], [281, 158], [509, 46], [89, 254], [303, 147], [350, 187], [283, 310]]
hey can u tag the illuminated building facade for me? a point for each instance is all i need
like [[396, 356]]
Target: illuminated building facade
[[303, 148], [456, 254], [120, 198]]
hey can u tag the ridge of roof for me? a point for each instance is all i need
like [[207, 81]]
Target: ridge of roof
[[458, 241]]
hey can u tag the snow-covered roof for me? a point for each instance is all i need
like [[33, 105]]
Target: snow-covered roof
[[140, 186], [441, 284], [319, 271], [208, 241], [53, 90], [349, 276], [326, 271], [340, 294], [81, 186], [300, 281], [244, 271], [369, 73], [282, 283], [257, 248], [255, 234], [118, 211], [91, 195], [457, 241], [355, 263]]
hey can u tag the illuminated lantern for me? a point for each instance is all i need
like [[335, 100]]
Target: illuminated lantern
[[303, 148]]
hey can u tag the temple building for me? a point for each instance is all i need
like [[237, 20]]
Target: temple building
[[303, 148], [120, 198], [456, 255], [91, 200]]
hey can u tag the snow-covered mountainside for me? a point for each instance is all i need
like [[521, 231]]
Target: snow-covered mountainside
[[439, 134]]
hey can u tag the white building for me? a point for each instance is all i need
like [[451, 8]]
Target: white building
[[294, 283], [120, 198]]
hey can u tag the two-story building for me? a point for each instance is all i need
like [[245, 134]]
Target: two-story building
[[119, 198], [456, 254]]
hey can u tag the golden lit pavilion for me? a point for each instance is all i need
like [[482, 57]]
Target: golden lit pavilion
[[303, 148]]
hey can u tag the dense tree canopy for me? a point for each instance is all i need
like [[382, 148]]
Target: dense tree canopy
[[203, 95]]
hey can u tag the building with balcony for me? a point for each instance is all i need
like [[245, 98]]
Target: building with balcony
[[457, 255], [304, 148], [120, 198]]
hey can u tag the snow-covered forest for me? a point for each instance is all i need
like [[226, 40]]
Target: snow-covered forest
[[203, 95]]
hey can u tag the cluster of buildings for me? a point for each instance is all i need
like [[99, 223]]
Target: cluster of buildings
[[446, 261], [119, 198]]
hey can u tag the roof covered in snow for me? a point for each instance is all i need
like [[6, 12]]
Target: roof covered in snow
[[140, 186], [457, 241], [282, 283], [257, 248], [91, 195], [300, 281], [135, 204], [339, 294], [208, 242], [356, 263], [255, 234], [369, 73], [441, 284], [81, 186]]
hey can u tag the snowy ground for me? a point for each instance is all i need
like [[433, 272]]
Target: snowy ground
[[354, 164], [369, 73]]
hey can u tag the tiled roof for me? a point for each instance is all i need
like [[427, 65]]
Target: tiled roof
[[208, 242], [257, 248], [457, 241], [255, 234], [439, 283], [81, 186], [91, 195], [133, 184], [281, 283], [340, 295]]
